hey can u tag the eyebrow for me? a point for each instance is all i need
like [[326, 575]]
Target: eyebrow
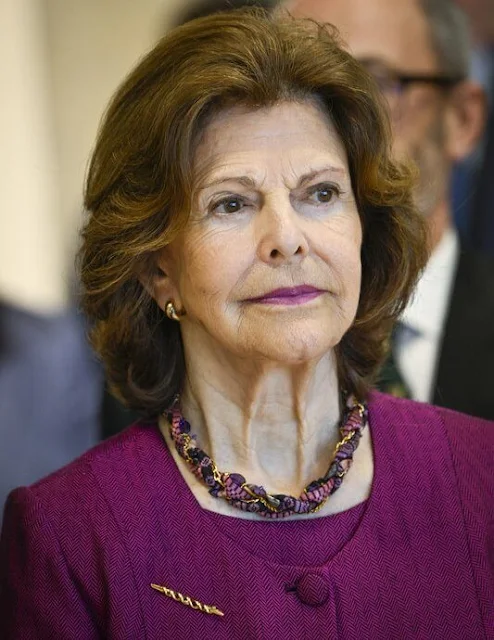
[[246, 181], [310, 175], [249, 182]]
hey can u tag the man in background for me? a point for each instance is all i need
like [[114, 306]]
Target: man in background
[[418, 51], [481, 14]]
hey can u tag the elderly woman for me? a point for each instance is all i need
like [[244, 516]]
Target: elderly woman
[[249, 245]]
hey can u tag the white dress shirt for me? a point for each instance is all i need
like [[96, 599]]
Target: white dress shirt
[[421, 327]]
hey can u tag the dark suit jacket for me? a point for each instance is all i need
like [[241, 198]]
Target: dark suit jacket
[[482, 225], [465, 372]]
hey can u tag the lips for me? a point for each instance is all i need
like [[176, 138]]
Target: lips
[[289, 295]]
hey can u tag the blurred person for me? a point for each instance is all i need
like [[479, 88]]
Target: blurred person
[[50, 390], [467, 173], [249, 245], [481, 13], [50, 386], [418, 52]]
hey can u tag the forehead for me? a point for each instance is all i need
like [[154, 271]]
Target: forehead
[[288, 132], [394, 31]]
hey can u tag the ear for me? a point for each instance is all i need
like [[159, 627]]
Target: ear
[[158, 282], [465, 119]]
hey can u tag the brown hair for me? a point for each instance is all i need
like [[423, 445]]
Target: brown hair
[[139, 187]]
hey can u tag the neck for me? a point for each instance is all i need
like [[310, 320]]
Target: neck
[[439, 222], [275, 425]]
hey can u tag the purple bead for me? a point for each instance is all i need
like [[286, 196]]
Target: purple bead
[[184, 426], [288, 502], [237, 478]]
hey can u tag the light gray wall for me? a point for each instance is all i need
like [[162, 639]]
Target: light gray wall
[[62, 60]]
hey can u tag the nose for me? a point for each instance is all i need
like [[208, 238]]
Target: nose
[[281, 235]]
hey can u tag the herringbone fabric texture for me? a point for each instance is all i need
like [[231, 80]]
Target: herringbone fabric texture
[[80, 549]]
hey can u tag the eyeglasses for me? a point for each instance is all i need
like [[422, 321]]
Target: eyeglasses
[[393, 83]]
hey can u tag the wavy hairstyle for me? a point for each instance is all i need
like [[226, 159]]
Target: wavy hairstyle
[[139, 187]]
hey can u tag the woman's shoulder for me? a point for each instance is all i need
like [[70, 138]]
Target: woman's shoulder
[[86, 481], [467, 440], [68, 529], [471, 442]]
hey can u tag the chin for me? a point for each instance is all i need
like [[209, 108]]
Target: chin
[[295, 347]]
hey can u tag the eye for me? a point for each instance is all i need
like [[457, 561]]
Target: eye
[[323, 193], [230, 204]]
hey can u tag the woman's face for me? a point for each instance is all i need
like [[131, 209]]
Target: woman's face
[[269, 264]]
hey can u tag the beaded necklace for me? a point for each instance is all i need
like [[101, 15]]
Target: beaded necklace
[[253, 498]]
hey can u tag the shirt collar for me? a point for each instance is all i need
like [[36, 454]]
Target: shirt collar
[[426, 310]]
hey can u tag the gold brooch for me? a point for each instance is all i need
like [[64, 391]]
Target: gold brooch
[[189, 602]]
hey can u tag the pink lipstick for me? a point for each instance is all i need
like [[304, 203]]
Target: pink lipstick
[[289, 296]]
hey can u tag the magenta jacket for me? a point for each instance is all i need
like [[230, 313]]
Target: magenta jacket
[[81, 548]]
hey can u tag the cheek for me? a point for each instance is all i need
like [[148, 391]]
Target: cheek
[[342, 244], [341, 251], [423, 129], [214, 261], [349, 273]]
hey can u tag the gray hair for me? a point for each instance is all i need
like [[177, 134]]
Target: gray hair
[[450, 36]]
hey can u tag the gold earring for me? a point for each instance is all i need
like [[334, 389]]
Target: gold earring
[[171, 312]]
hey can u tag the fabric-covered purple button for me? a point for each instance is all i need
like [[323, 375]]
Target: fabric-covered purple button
[[312, 589]]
